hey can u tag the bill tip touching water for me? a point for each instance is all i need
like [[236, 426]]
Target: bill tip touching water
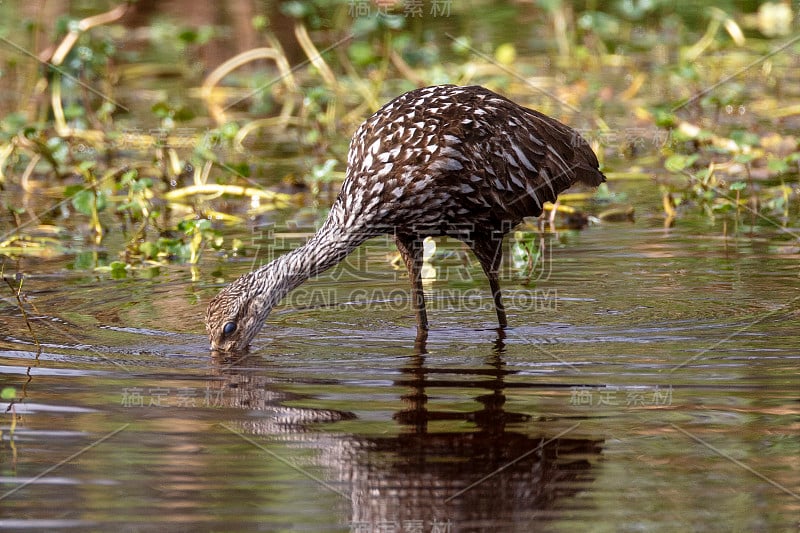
[[443, 160]]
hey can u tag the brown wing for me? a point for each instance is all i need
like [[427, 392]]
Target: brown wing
[[444, 152], [527, 158]]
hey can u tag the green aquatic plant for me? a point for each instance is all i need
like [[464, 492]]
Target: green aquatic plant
[[89, 198], [259, 120]]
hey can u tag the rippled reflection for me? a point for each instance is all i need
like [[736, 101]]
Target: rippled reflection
[[442, 468]]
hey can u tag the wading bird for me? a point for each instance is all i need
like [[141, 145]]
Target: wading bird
[[443, 160]]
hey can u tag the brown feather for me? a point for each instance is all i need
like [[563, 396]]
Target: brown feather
[[442, 160]]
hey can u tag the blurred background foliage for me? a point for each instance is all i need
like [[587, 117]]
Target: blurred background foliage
[[145, 128]]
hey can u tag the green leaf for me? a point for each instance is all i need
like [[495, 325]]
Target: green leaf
[[745, 138], [229, 130], [135, 207], [295, 9], [241, 169], [148, 249], [505, 54], [8, 393], [83, 202], [186, 226], [602, 23], [119, 269], [85, 166], [461, 45], [72, 190], [128, 176], [324, 172], [260, 22], [188, 36], [391, 21], [737, 186], [142, 184], [85, 261], [74, 111], [14, 122], [665, 118], [183, 114], [779, 166], [361, 53], [678, 162], [161, 110]]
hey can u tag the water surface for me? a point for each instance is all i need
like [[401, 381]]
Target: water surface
[[649, 382]]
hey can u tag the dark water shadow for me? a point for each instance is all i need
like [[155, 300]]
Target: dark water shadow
[[465, 470]]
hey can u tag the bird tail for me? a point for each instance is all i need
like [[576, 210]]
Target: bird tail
[[590, 176], [588, 168]]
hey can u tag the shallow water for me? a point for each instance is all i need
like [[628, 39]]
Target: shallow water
[[649, 382]]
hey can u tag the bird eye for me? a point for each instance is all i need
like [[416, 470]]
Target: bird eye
[[229, 328]]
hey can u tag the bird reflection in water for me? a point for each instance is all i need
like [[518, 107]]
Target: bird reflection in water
[[444, 470]]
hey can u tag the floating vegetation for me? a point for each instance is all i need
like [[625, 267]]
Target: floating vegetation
[[96, 153]]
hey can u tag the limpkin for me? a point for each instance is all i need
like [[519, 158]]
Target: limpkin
[[443, 160]]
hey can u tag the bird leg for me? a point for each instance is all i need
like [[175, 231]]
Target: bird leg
[[494, 285], [410, 250], [421, 340], [489, 251]]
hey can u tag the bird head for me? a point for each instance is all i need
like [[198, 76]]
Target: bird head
[[236, 315]]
